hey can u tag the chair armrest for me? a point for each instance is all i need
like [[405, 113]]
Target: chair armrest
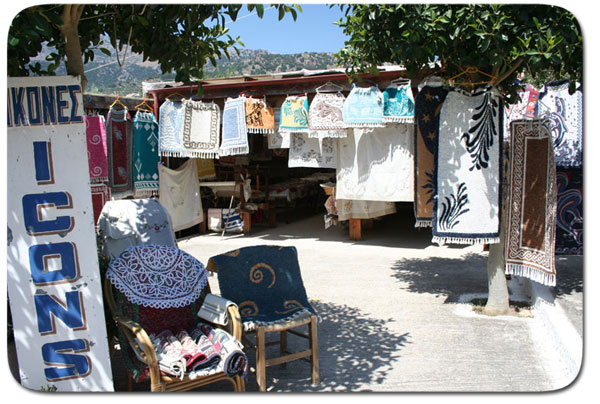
[[234, 325], [140, 343]]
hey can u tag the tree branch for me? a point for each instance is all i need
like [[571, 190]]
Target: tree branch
[[510, 71]]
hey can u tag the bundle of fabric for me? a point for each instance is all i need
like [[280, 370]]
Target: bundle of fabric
[[349, 209], [95, 133], [128, 222], [569, 211], [169, 353], [376, 164], [532, 203], [235, 133], [179, 193], [525, 107], [145, 154], [566, 116], [312, 152], [325, 117], [119, 142], [428, 104], [294, 114], [469, 169], [200, 134], [398, 104], [170, 130], [228, 349], [363, 108], [260, 118]]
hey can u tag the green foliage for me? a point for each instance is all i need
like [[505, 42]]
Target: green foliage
[[445, 39]]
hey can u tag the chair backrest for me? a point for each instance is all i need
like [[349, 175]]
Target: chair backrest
[[128, 222], [264, 281]]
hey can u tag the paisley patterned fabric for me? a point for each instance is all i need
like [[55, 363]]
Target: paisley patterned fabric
[[325, 117], [145, 154], [294, 114], [398, 104], [469, 169], [157, 276], [264, 281]]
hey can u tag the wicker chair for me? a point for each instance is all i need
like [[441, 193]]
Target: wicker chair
[[266, 284], [135, 323]]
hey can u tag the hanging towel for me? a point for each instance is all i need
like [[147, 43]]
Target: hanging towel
[[235, 134], [201, 126], [170, 131], [325, 117], [469, 169], [376, 164], [398, 104], [428, 104], [260, 118], [179, 193], [95, 133], [566, 115], [348, 209], [294, 114], [145, 154], [525, 107], [569, 211], [119, 142], [532, 203], [206, 169], [363, 108], [312, 152]]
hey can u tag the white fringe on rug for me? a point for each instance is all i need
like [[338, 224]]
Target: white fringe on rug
[[531, 273], [234, 151], [261, 131], [398, 119], [462, 240], [423, 223]]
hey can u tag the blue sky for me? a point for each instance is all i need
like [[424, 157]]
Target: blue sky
[[313, 30]]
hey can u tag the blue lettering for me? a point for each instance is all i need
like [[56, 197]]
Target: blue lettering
[[73, 91], [42, 159], [64, 361], [48, 308], [48, 105], [61, 104], [34, 223], [8, 111], [33, 105], [39, 255], [17, 106]]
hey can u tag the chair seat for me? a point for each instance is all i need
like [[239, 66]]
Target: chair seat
[[293, 321]]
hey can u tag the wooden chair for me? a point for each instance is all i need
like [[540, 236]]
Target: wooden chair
[[134, 327], [266, 284]]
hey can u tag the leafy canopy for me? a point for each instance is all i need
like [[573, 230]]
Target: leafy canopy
[[501, 40], [182, 38]]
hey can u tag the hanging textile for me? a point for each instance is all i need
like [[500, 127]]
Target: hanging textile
[[100, 195], [235, 134], [525, 107], [349, 209], [376, 164], [206, 169], [398, 104], [119, 145], [311, 152], [363, 108], [428, 104], [179, 193], [277, 139], [469, 169], [532, 203], [566, 116], [200, 134], [170, 130], [95, 133], [294, 114], [325, 116], [145, 154], [260, 118], [569, 211]]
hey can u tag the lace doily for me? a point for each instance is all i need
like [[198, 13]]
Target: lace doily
[[158, 276]]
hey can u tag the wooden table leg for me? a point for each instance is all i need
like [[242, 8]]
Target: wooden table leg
[[355, 229]]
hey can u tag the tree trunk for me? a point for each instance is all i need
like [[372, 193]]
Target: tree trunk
[[70, 32]]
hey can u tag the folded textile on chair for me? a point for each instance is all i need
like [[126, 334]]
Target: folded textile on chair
[[398, 104], [95, 132], [170, 130], [325, 118], [260, 118], [363, 108], [169, 353], [294, 114], [230, 350], [200, 134], [145, 154], [235, 133]]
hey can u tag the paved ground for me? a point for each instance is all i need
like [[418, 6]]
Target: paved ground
[[394, 318]]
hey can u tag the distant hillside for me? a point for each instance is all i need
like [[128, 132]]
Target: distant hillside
[[105, 76]]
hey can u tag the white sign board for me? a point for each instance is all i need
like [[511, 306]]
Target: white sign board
[[54, 285]]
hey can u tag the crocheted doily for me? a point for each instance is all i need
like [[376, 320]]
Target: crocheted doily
[[157, 276]]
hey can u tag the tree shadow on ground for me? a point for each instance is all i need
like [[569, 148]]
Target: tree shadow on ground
[[569, 274]]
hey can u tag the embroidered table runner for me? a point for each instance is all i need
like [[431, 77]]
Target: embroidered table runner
[[179, 193], [95, 133], [566, 115], [398, 104], [294, 114], [145, 154], [325, 117], [170, 131], [363, 108], [311, 152], [376, 164], [235, 134], [532, 203], [428, 104], [259, 117], [469, 169], [119, 141]]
